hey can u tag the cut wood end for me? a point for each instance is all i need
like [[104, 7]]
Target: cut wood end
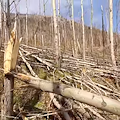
[[23, 77]]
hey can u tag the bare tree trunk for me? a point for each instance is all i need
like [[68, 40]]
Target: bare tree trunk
[[56, 38], [7, 98], [111, 32], [103, 40], [58, 9], [117, 26], [42, 41], [1, 24], [35, 40], [44, 7], [73, 27], [83, 33], [26, 23], [91, 27], [107, 21], [59, 35], [39, 8]]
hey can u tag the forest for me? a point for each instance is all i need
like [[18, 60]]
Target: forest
[[57, 68]]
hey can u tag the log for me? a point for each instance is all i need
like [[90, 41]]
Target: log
[[98, 101]]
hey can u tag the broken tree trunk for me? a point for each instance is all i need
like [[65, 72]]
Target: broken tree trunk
[[10, 58], [98, 101]]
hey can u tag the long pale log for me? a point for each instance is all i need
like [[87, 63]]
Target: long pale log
[[101, 102]]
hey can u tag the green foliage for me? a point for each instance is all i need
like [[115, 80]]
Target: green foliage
[[39, 105], [42, 74]]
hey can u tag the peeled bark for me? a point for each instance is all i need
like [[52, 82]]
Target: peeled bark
[[26, 23], [103, 40], [83, 30], [111, 32], [91, 26], [73, 27], [1, 23], [56, 38], [98, 101]]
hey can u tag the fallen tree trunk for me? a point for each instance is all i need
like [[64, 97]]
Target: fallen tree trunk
[[101, 102]]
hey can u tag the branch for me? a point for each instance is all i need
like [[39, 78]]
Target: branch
[[56, 103]]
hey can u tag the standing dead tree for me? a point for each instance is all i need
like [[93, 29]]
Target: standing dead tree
[[56, 38], [0, 23], [44, 7], [59, 35], [39, 7], [10, 57], [83, 30], [7, 97], [91, 26], [107, 26], [111, 31], [26, 23], [103, 40], [73, 27]]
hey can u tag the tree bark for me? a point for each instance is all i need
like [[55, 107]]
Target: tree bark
[[73, 27], [56, 38], [1, 23], [111, 32], [103, 40], [26, 24], [83, 30], [98, 101], [91, 27], [7, 97]]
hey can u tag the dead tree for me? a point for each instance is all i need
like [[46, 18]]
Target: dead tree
[[0, 23], [111, 31], [7, 97], [103, 40], [83, 30], [26, 23], [56, 38], [59, 35], [39, 7], [107, 25], [91, 26], [73, 27], [44, 7], [98, 101]]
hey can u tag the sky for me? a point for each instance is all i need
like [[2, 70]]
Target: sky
[[33, 8]]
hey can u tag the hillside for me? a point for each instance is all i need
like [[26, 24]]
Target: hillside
[[95, 75], [40, 27]]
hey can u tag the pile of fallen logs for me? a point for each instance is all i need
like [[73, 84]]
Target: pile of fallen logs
[[78, 75], [71, 63]]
